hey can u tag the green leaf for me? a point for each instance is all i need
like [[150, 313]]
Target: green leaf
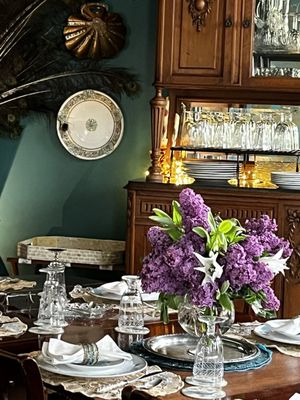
[[225, 287], [202, 232], [211, 221], [164, 221], [177, 218], [165, 301], [160, 213], [225, 301], [174, 233], [225, 226]]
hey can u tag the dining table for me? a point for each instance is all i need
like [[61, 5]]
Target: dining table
[[278, 380]]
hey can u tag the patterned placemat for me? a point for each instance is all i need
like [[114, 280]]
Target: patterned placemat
[[264, 357], [110, 388], [12, 284], [11, 326]]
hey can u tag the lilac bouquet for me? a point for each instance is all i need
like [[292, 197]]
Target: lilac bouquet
[[211, 260]]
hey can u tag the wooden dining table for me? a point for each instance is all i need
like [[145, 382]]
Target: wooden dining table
[[278, 380]]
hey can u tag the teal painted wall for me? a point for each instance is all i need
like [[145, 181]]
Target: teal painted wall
[[47, 191]]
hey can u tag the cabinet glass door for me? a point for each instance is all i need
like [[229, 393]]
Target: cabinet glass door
[[271, 43], [276, 47]]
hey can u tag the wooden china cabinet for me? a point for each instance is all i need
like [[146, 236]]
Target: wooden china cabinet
[[222, 51]]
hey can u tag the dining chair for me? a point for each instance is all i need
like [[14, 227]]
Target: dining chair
[[20, 378], [131, 393]]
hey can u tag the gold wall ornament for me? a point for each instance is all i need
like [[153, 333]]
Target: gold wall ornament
[[199, 10], [96, 33], [293, 217]]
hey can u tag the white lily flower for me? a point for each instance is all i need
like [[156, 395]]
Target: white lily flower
[[275, 262], [210, 267]]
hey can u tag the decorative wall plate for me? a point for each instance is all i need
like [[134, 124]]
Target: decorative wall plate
[[90, 124]]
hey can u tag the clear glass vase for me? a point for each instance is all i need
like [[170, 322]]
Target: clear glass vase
[[188, 317], [208, 368]]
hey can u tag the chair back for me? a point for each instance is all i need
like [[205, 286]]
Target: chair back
[[20, 378], [131, 393]]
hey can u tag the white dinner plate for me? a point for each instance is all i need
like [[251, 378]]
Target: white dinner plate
[[90, 124], [106, 292], [265, 332], [136, 364]]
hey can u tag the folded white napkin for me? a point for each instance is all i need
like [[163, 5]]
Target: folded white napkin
[[288, 327], [118, 288], [59, 352]]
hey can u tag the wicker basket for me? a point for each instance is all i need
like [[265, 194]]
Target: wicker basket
[[76, 250]]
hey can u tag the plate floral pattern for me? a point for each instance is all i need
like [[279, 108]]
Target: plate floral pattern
[[90, 125]]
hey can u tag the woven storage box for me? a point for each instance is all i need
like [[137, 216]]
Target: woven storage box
[[76, 250]]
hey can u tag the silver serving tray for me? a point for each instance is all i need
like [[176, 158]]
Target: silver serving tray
[[181, 346]]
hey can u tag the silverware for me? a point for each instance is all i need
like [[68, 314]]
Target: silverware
[[147, 385]]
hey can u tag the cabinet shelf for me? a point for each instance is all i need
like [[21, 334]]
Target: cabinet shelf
[[295, 153], [242, 155], [278, 55]]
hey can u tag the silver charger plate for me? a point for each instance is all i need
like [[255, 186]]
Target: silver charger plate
[[181, 346]]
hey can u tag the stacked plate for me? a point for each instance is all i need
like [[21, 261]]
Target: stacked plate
[[286, 180], [211, 170]]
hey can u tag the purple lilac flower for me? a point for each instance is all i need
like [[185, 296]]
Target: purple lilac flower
[[263, 229], [170, 266], [252, 246], [263, 275], [194, 211], [271, 302], [203, 296], [258, 226], [158, 238], [238, 268]]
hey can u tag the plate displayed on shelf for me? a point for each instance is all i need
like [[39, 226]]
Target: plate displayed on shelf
[[90, 124], [128, 367]]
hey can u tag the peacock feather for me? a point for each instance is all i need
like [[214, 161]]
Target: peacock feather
[[37, 72]]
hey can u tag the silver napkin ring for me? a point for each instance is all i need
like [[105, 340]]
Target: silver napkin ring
[[90, 353]]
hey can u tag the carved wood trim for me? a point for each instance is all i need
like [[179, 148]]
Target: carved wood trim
[[293, 217], [146, 207], [199, 10]]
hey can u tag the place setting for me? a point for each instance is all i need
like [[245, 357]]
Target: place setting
[[101, 369]]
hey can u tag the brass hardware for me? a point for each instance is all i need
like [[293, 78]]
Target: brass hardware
[[199, 10], [228, 22], [246, 23], [293, 218]]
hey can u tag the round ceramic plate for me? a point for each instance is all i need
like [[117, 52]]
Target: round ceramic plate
[[128, 367], [90, 125]]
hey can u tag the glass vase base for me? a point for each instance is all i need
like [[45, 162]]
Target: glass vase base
[[191, 380], [203, 392]]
